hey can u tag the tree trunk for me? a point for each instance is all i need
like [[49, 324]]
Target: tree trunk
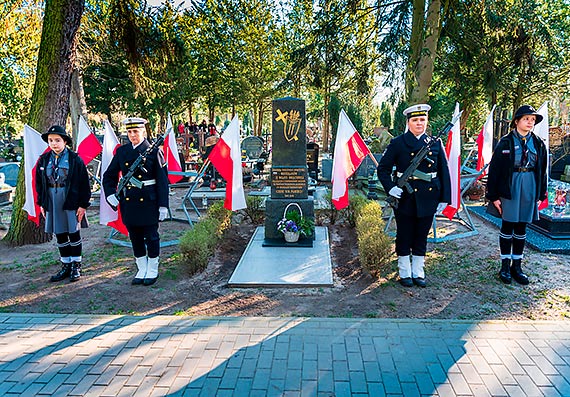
[[77, 105], [326, 124], [50, 98], [422, 56], [423, 72], [416, 40], [190, 111], [256, 113]]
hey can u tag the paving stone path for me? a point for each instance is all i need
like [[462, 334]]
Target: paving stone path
[[82, 355]]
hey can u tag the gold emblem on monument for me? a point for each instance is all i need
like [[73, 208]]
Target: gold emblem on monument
[[291, 123]]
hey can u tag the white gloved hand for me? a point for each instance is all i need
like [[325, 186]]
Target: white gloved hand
[[113, 200], [395, 192], [441, 206], [162, 213]]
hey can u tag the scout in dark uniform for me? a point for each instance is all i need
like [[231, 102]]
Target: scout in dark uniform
[[432, 186], [141, 207], [516, 183], [63, 194]]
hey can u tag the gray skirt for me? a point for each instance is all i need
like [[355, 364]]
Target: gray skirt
[[523, 206], [59, 220]]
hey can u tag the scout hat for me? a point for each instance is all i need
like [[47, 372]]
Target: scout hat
[[134, 122], [57, 130], [526, 110], [420, 109]]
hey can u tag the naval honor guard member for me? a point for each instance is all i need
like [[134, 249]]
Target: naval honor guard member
[[141, 207], [415, 211]]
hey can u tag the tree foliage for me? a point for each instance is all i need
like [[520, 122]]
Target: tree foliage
[[214, 57], [20, 31]]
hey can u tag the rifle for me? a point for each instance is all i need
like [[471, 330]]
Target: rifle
[[139, 163], [412, 170]]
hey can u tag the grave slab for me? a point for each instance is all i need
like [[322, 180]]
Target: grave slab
[[284, 266]]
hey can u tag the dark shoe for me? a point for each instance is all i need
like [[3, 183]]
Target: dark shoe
[[505, 273], [75, 271], [407, 282], [419, 281], [64, 272], [137, 281], [150, 281], [517, 273]]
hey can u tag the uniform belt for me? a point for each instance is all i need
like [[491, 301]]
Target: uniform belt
[[56, 184], [141, 184], [523, 169], [433, 175]]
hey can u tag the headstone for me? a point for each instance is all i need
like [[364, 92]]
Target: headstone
[[252, 146], [289, 168]]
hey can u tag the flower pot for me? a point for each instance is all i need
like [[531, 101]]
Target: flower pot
[[291, 237]]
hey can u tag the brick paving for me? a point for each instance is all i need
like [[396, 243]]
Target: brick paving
[[82, 355]]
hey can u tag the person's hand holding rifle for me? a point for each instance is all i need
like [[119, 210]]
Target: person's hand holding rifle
[[113, 200], [402, 182]]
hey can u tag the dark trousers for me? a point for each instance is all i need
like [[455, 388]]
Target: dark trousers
[[145, 240], [411, 234]]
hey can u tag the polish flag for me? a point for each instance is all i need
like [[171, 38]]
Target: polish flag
[[171, 153], [541, 130], [34, 147], [349, 152], [226, 157], [108, 216], [453, 152], [88, 146], [485, 143]]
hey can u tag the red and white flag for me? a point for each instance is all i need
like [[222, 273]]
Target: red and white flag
[[226, 157], [108, 216], [34, 147], [485, 143], [349, 152], [88, 146], [171, 153], [453, 152], [541, 130]]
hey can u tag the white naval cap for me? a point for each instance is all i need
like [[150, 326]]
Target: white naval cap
[[134, 122], [420, 109]]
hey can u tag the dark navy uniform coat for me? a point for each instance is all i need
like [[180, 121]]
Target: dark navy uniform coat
[[428, 195], [139, 207]]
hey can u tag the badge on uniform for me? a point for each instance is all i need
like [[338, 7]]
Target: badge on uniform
[[506, 151]]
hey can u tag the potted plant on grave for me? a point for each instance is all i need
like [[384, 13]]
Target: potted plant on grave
[[294, 224]]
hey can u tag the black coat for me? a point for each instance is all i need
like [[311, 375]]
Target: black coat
[[500, 175], [77, 187], [139, 207], [427, 195]]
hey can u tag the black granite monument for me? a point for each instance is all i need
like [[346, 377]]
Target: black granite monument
[[289, 170]]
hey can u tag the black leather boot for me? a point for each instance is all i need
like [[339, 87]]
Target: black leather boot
[[505, 273], [63, 273], [75, 271], [517, 273]]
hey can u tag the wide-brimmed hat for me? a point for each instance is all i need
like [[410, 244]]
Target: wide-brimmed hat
[[526, 110], [57, 130]]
